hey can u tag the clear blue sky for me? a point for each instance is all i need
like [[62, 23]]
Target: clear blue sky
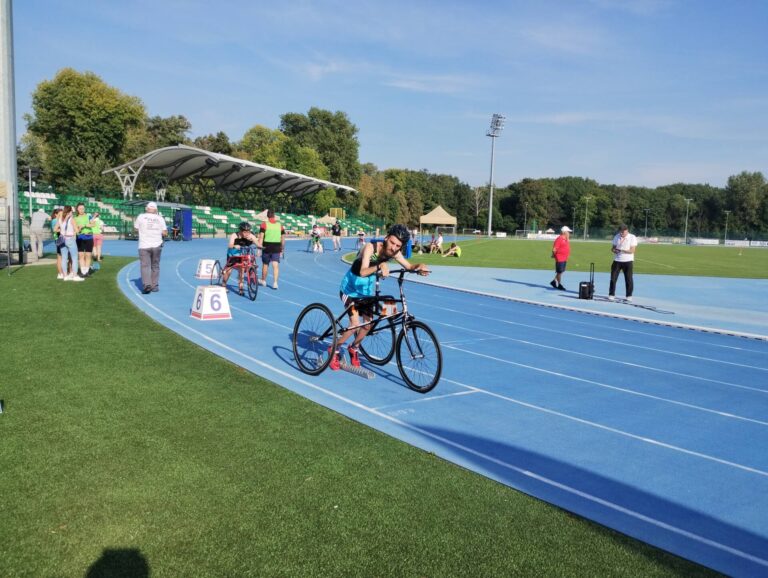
[[643, 92]]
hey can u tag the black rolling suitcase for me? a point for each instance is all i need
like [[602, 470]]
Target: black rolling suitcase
[[587, 288]]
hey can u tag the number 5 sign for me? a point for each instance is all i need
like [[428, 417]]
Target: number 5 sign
[[211, 303], [204, 269]]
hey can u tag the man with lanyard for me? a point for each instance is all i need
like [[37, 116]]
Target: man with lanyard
[[242, 238], [84, 239], [624, 246], [336, 232], [360, 283], [561, 249], [272, 243]]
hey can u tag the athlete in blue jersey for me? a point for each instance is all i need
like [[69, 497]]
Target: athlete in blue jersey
[[360, 282]]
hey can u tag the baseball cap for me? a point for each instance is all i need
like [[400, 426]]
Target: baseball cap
[[565, 229], [152, 205]]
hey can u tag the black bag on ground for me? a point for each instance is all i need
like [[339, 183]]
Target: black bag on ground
[[587, 288]]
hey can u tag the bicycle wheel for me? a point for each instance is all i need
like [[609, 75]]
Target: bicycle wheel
[[418, 356], [216, 273], [314, 338], [378, 347], [252, 279]]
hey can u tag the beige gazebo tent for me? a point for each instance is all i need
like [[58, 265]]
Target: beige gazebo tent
[[438, 217]]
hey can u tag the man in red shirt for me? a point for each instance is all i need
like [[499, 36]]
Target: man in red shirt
[[560, 251]]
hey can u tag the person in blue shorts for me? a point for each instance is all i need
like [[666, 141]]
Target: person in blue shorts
[[360, 283]]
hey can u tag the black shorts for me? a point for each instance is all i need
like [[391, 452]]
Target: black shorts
[[233, 261], [363, 305], [560, 266], [85, 245]]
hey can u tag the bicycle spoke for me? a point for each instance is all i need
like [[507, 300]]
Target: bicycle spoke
[[418, 357]]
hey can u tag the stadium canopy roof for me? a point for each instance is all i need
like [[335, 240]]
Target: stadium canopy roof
[[230, 174]]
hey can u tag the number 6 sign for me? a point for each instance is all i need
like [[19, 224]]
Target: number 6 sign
[[210, 302]]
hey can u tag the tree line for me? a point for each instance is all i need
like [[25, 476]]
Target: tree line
[[80, 126]]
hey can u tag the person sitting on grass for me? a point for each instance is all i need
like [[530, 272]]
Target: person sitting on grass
[[454, 251]]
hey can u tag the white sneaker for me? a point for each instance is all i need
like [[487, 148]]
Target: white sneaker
[[611, 298], [68, 278], [77, 278], [629, 299], [262, 283], [274, 285], [59, 276]]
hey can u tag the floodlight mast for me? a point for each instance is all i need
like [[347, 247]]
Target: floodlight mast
[[497, 124]]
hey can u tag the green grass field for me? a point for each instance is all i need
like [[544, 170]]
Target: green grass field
[[650, 259], [126, 449]]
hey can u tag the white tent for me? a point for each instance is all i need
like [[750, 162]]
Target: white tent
[[437, 216], [261, 216], [440, 218]]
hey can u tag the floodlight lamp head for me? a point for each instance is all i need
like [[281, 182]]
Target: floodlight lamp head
[[497, 124], [211, 163]]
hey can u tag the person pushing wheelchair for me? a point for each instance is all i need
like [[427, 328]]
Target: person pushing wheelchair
[[359, 284]]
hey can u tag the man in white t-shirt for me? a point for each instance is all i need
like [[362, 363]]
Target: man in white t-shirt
[[37, 231], [623, 247], [152, 229]]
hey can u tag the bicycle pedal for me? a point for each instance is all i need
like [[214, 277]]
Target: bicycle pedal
[[359, 371]]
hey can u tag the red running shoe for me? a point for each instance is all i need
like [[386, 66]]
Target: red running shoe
[[335, 365], [353, 358]]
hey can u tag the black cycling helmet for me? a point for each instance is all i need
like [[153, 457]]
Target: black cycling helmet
[[401, 232], [245, 226]]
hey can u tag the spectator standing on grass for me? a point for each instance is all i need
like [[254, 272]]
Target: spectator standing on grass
[[55, 235], [561, 249], [623, 247], [336, 232], [272, 242], [37, 231], [151, 229], [68, 230], [84, 239], [98, 236]]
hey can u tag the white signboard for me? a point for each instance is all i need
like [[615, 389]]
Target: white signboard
[[210, 302], [204, 269]]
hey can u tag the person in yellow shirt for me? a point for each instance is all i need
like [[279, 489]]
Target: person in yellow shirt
[[454, 251]]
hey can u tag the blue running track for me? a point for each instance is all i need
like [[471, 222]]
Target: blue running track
[[656, 431]]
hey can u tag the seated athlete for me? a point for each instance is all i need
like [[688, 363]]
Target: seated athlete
[[360, 282], [454, 251], [242, 238]]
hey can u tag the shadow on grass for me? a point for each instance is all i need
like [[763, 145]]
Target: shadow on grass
[[119, 563]]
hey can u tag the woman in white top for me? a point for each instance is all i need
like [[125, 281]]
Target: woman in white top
[[67, 228]]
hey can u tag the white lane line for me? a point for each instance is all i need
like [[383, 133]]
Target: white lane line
[[560, 350], [429, 399], [608, 386], [470, 451], [599, 339], [655, 335]]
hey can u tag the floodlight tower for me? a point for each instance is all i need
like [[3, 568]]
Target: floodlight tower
[[685, 235], [497, 123], [725, 239], [586, 212]]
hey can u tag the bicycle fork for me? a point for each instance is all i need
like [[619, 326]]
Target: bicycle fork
[[412, 342]]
